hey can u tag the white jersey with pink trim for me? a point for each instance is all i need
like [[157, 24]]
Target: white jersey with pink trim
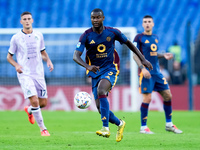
[[27, 48]]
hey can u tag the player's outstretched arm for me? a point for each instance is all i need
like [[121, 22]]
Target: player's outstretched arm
[[77, 58], [138, 53], [46, 58], [167, 56]]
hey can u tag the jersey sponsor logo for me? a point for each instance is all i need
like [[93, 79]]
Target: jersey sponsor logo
[[101, 55], [92, 42], [31, 49], [78, 45], [101, 48], [147, 41], [135, 43], [153, 47], [156, 40], [108, 39], [153, 53]]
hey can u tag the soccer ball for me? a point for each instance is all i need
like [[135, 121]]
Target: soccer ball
[[82, 100]]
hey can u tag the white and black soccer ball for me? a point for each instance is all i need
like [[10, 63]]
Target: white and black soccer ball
[[82, 100]]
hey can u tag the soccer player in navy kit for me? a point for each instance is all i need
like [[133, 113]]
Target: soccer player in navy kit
[[152, 80], [102, 66]]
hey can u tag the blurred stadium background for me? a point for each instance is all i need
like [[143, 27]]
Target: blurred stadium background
[[176, 21]]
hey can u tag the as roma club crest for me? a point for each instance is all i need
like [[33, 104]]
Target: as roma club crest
[[108, 39]]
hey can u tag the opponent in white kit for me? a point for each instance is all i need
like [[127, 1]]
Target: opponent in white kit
[[28, 45]]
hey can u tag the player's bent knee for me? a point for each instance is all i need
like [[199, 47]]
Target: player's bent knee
[[43, 102], [168, 97], [35, 103], [101, 92], [146, 101], [146, 98]]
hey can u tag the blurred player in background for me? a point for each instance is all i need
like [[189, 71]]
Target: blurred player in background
[[28, 45], [153, 80], [103, 66]]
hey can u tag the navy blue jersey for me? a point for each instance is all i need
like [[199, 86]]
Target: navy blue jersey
[[100, 48], [148, 46]]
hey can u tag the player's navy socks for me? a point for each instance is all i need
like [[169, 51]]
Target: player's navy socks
[[113, 119], [144, 113], [104, 108], [168, 110]]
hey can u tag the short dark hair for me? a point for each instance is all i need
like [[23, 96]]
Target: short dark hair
[[26, 13], [148, 16], [98, 10]]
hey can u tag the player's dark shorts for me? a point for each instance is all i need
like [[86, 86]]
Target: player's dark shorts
[[111, 75], [157, 82]]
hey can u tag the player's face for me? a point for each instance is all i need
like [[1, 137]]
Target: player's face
[[26, 21], [97, 19], [147, 24]]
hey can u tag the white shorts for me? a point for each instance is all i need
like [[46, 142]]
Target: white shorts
[[31, 87]]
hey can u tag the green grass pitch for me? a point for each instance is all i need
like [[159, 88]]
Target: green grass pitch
[[76, 130]]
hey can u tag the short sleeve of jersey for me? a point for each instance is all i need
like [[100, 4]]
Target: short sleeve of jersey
[[120, 36], [13, 47], [136, 41], [81, 44]]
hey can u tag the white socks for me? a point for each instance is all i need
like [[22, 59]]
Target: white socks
[[36, 111], [121, 123], [143, 127], [29, 110], [107, 128], [169, 124]]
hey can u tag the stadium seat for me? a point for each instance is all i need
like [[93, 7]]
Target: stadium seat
[[3, 54], [47, 73], [3, 69], [81, 71], [70, 70], [58, 70], [11, 72]]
